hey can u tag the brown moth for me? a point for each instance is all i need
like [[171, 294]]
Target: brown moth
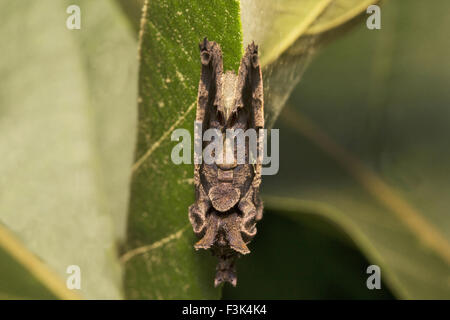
[[227, 202]]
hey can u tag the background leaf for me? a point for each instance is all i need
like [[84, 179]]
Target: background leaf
[[373, 149], [166, 265], [289, 32], [309, 259], [32, 279], [133, 11], [67, 103]]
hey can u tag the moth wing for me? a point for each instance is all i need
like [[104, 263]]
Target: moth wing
[[209, 89], [249, 90]]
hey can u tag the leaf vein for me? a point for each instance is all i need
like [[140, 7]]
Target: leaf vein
[[144, 249], [158, 142]]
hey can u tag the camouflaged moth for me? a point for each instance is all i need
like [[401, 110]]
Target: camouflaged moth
[[227, 204]]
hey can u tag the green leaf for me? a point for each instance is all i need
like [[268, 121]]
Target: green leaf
[[372, 154], [337, 14], [67, 111], [162, 263]]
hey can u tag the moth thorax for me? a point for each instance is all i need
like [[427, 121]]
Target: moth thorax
[[229, 84]]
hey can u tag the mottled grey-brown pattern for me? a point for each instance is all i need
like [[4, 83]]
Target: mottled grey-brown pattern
[[227, 204]]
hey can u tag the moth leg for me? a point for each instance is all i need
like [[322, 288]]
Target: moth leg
[[258, 205], [211, 232], [256, 183], [249, 212], [197, 211], [231, 225]]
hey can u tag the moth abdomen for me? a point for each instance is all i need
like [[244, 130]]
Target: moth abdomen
[[227, 203]]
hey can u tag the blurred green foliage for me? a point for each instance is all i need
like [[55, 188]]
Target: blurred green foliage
[[67, 120]]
